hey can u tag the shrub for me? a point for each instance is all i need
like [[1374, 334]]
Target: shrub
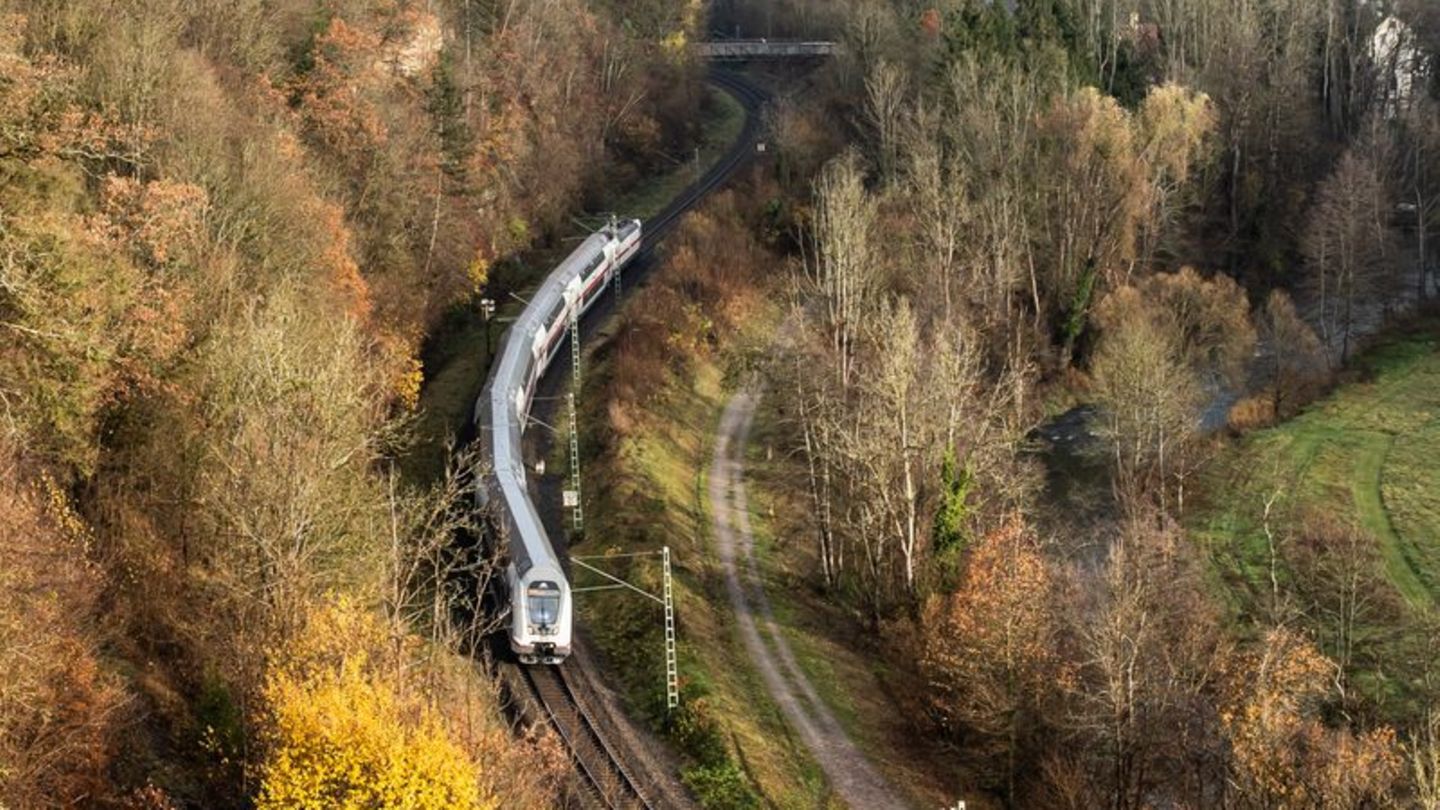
[[721, 785], [1251, 413], [59, 708], [340, 734]]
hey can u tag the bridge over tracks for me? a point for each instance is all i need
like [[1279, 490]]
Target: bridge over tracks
[[742, 50]]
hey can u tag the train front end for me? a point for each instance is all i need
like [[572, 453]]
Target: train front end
[[541, 614]]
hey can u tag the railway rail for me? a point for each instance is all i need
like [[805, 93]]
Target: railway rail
[[751, 98], [605, 779], [603, 775]]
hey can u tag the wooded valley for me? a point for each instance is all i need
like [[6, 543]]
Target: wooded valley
[[1098, 340]]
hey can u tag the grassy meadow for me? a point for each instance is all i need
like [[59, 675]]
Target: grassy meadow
[[1367, 455]]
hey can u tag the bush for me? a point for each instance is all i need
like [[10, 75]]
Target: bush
[[1252, 413], [342, 735], [721, 786], [60, 709]]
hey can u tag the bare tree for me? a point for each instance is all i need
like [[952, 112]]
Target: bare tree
[[1151, 402], [1347, 244], [898, 445], [1296, 363], [800, 376], [1338, 574], [841, 263], [442, 559], [1153, 653], [1166, 345], [937, 193], [1424, 751], [1420, 175], [885, 89]]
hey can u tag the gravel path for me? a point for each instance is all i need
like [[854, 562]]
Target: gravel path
[[851, 776]]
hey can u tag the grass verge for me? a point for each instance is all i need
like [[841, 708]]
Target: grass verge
[[1366, 453], [720, 123], [652, 491]]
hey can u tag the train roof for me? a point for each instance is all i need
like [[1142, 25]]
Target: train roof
[[529, 544]]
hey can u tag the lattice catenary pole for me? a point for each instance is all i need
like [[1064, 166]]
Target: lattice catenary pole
[[577, 511], [672, 665]]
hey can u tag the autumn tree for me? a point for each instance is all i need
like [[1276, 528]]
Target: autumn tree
[[339, 733], [990, 653], [1096, 197], [61, 709], [285, 502], [1114, 183], [1176, 125], [1282, 753]]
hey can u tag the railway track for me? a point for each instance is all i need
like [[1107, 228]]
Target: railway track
[[751, 98], [604, 780]]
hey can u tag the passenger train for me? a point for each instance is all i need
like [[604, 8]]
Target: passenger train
[[541, 610]]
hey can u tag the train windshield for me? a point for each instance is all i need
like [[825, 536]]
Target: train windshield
[[544, 603]]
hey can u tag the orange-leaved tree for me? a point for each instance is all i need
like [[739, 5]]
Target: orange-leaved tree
[[1282, 752], [991, 651]]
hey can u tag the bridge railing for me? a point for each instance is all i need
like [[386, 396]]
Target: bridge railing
[[741, 49]]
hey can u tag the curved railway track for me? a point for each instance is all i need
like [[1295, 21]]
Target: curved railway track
[[603, 776], [751, 98]]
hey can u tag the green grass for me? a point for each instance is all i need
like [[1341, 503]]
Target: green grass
[[655, 492], [1366, 453]]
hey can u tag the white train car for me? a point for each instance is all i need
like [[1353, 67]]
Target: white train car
[[541, 610]]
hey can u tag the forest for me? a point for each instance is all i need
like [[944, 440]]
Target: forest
[[1075, 312], [1164, 227], [226, 229]]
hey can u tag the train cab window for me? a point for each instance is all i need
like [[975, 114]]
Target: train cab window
[[543, 604]]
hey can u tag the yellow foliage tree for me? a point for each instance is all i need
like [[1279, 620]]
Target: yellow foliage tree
[[340, 734]]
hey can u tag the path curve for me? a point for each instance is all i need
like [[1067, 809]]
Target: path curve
[[850, 774]]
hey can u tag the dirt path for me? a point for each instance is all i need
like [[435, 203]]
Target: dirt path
[[851, 776]]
